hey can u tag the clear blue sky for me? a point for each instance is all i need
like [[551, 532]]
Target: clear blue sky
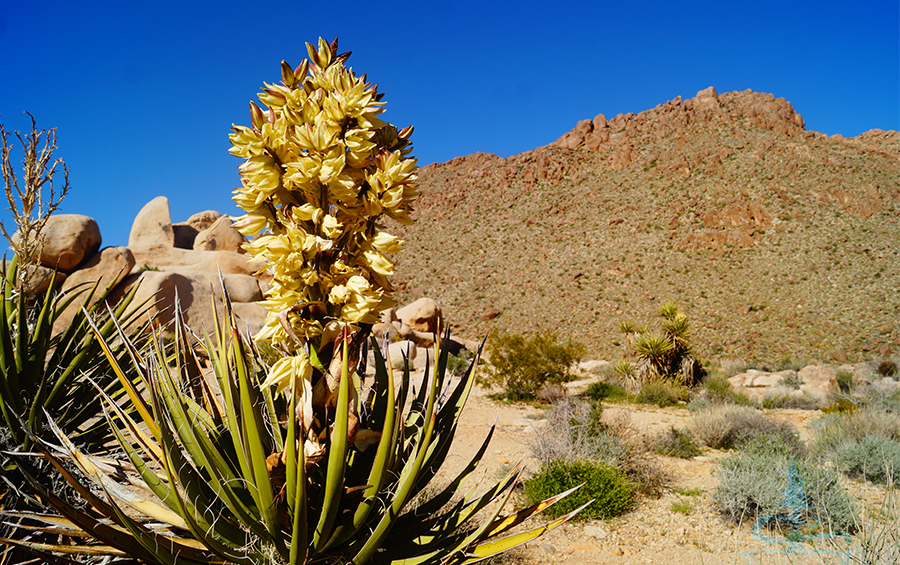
[[143, 94]]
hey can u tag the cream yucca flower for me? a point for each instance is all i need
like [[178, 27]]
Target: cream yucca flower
[[320, 173]]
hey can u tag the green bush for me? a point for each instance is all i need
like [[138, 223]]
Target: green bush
[[612, 493], [601, 391], [698, 404], [752, 484], [721, 392], [844, 381], [832, 430], [578, 431], [458, 364], [803, 401], [676, 443], [520, 366], [662, 393]]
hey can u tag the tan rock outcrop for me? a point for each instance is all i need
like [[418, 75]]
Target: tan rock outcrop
[[194, 291], [174, 259], [68, 239], [185, 234], [220, 236], [423, 315], [202, 220], [105, 269], [152, 226], [39, 277]]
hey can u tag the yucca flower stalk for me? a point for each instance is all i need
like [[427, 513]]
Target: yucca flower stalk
[[321, 171], [255, 462]]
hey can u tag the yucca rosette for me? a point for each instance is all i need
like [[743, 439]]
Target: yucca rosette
[[321, 172]]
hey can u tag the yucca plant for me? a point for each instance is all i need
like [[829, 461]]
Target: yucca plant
[[661, 355], [652, 350], [42, 370], [218, 478], [291, 462], [39, 369]]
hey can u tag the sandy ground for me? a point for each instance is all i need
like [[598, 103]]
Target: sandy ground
[[653, 532]]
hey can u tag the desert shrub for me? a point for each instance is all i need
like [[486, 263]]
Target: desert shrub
[[698, 404], [648, 477], [601, 391], [732, 367], [719, 390], [520, 365], [676, 443], [753, 482], [552, 392], [577, 430], [662, 393], [458, 364], [803, 402], [788, 363], [610, 490], [875, 458], [727, 427], [877, 539], [844, 381], [792, 380], [887, 368], [863, 443], [832, 430], [574, 432]]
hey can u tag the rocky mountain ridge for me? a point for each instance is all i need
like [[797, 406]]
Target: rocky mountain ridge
[[779, 242]]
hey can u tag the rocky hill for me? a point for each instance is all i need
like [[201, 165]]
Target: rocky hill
[[778, 242]]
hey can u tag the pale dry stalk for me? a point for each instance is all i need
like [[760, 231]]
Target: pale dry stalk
[[29, 209]]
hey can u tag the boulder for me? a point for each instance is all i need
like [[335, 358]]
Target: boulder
[[220, 236], [382, 330], [707, 98], [174, 259], [194, 291], [489, 314], [38, 278], [107, 268], [818, 381], [886, 387], [423, 315], [251, 316], [152, 226], [202, 220], [68, 239], [398, 349]]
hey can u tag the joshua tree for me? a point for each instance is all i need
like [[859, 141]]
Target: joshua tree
[[663, 354]]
